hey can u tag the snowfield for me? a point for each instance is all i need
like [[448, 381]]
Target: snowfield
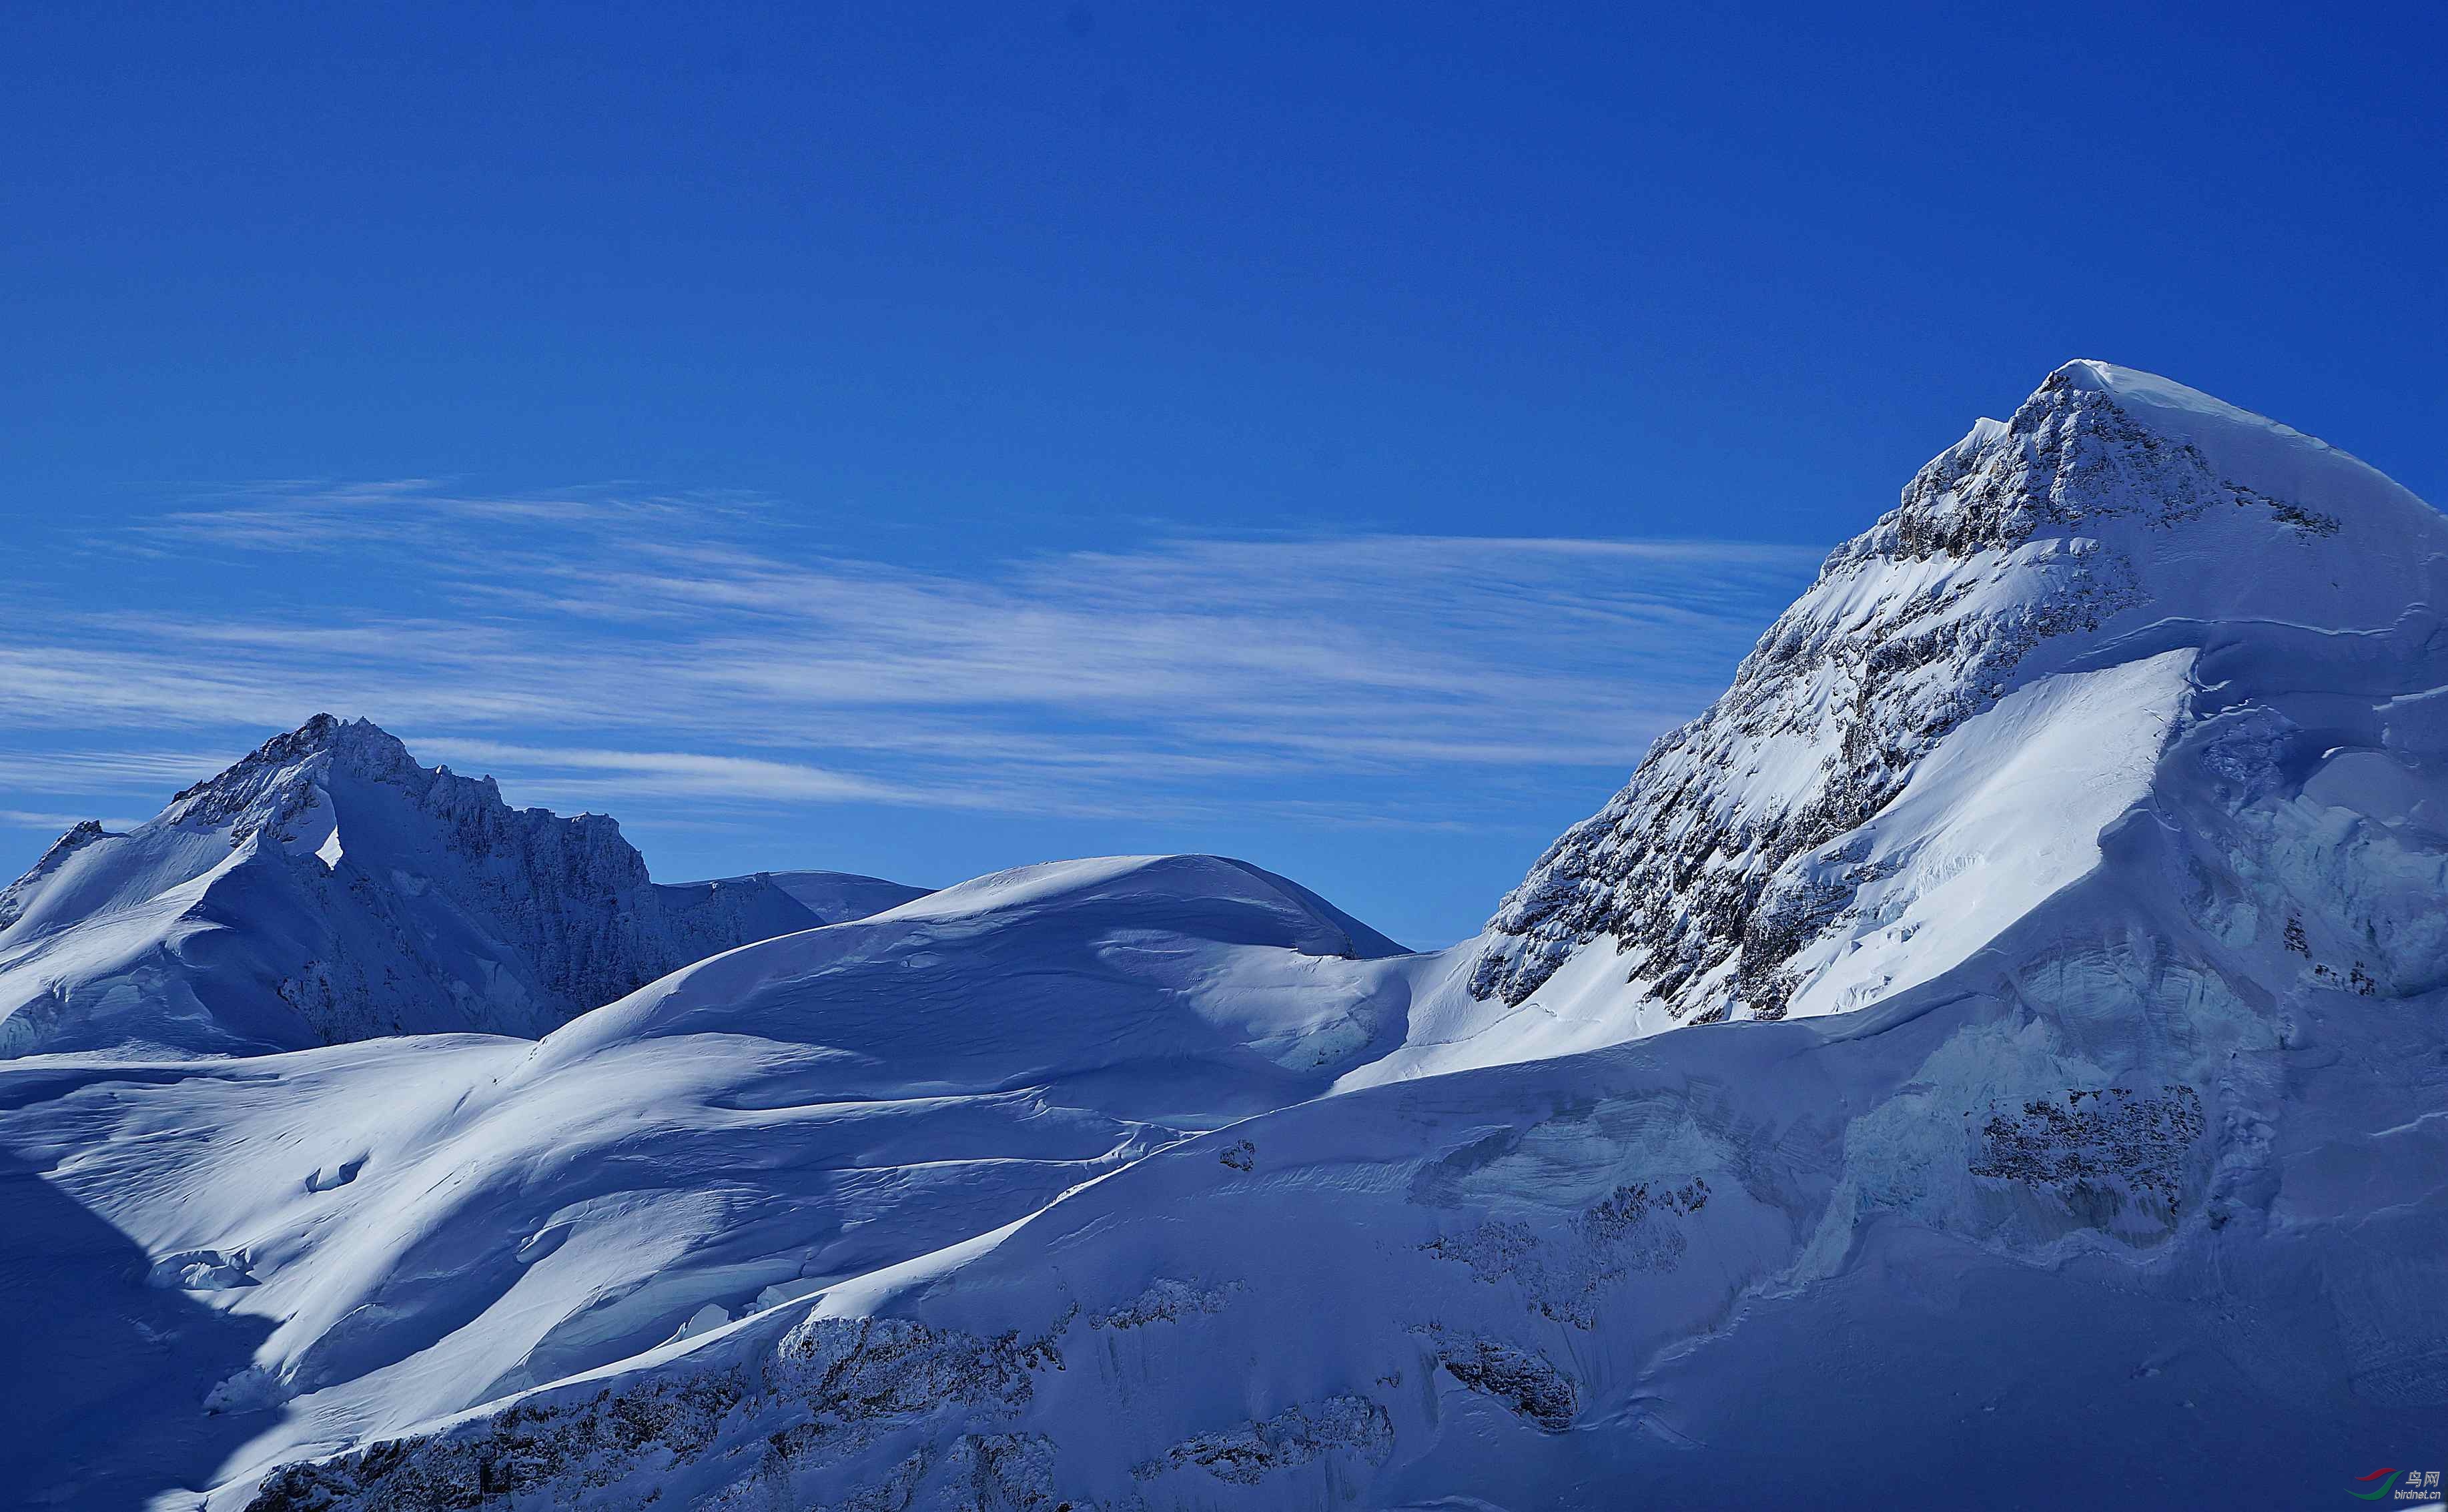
[[1997, 1056]]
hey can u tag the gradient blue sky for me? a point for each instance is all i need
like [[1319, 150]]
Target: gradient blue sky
[[922, 439]]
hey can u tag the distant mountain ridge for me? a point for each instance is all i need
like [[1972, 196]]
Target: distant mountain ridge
[[835, 897], [326, 887]]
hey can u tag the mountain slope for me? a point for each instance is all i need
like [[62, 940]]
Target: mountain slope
[[328, 888], [411, 1227], [1977, 1242]]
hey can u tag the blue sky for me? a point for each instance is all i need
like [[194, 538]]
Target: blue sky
[[923, 439]]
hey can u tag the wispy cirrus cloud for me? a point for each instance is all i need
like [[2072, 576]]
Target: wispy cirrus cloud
[[35, 819], [607, 646], [306, 515], [68, 771]]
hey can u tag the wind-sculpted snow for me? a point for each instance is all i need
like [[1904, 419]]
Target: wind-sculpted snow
[[328, 888], [2088, 826]]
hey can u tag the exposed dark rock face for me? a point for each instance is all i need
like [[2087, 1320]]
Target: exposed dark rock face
[[1166, 1300], [845, 1381], [1296, 1436], [1526, 1383], [2110, 1143]]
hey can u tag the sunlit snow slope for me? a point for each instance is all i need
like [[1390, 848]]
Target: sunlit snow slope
[[1997, 1056], [373, 1233]]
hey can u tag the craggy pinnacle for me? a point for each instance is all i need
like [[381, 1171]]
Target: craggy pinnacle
[[1691, 870]]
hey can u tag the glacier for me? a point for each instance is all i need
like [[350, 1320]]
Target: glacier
[[1994, 1056]]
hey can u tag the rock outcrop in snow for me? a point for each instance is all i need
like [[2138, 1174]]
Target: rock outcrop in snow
[[329, 887]]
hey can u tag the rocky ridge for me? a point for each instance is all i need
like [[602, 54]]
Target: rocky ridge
[[2012, 553]]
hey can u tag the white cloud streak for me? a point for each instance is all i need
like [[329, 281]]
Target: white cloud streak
[[603, 646]]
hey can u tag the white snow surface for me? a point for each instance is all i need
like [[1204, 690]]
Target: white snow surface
[[1997, 1056]]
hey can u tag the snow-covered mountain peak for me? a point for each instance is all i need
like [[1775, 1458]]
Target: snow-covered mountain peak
[[329, 887], [279, 780], [358, 746], [2276, 460], [360, 742], [2240, 507], [2051, 579]]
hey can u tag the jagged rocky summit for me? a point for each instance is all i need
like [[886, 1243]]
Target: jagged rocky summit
[[2120, 556], [329, 887]]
